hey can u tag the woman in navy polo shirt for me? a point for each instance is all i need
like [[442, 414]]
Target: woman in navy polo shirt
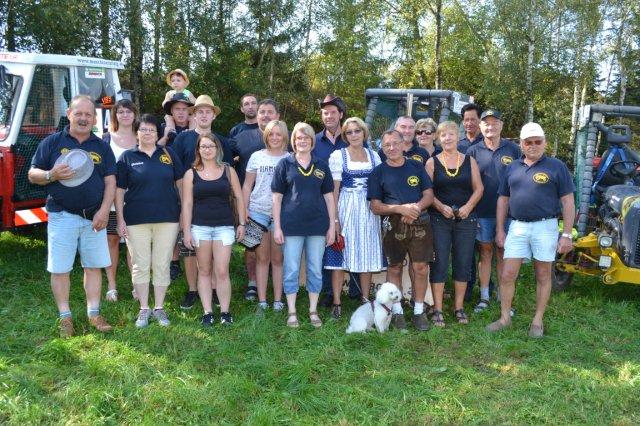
[[303, 216], [148, 209], [207, 222]]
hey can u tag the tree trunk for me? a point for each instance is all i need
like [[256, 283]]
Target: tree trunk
[[529, 72], [157, 21], [11, 26], [105, 45], [136, 41], [438, 16], [574, 109]]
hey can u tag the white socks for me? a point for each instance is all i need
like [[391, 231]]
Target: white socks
[[418, 308]]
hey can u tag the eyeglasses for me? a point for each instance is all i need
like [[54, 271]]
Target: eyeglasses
[[147, 131], [424, 132], [353, 132], [533, 142], [207, 147]]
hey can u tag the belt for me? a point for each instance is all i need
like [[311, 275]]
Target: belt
[[536, 220], [87, 213]]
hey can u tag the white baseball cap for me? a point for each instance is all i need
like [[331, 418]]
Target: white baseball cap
[[531, 130]]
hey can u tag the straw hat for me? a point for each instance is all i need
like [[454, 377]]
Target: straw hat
[[179, 72], [205, 101]]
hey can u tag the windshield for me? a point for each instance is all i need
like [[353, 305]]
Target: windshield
[[10, 86], [98, 83]]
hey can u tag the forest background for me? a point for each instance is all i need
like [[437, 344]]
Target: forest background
[[532, 59]]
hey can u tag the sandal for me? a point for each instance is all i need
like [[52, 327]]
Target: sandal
[[438, 319], [461, 316], [317, 323], [111, 296], [336, 311], [294, 323], [429, 309], [481, 306]]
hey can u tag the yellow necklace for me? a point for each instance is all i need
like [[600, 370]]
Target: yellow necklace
[[446, 169], [307, 174]]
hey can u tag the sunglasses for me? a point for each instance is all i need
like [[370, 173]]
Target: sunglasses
[[425, 132], [534, 142], [353, 132]]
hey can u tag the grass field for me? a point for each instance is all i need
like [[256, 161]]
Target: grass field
[[585, 371]]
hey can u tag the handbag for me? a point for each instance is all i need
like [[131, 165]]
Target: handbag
[[338, 244], [253, 234], [232, 198]]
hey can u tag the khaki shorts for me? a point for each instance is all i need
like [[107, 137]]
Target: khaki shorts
[[401, 239]]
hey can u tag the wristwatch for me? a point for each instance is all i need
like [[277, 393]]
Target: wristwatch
[[567, 235], [47, 175]]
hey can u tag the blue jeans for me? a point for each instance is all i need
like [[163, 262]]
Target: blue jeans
[[292, 252]]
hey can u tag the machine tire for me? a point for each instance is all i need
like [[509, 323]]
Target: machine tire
[[560, 280]]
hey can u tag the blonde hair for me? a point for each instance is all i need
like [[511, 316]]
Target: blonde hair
[[358, 122], [445, 125], [307, 130], [424, 122], [281, 125]]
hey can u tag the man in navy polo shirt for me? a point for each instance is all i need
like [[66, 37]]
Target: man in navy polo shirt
[[493, 154], [471, 123], [178, 108], [406, 126], [401, 191], [77, 215], [243, 146], [332, 111], [535, 190], [204, 112], [249, 107]]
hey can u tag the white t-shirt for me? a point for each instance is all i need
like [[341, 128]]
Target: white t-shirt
[[263, 165]]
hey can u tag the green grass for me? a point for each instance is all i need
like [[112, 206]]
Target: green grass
[[586, 370]]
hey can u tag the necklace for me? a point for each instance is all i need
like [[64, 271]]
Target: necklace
[[307, 174], [446, 169]]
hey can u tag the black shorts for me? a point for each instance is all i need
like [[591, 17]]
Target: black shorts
[[401, 239], [454, 243], [112, 224]]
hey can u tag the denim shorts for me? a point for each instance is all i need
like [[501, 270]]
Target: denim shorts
[[532, 239], [262, 219], [226, 234], [69, 233], [487, 229]]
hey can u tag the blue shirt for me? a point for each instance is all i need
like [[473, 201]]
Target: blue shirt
[[241, 127], [324, 147], [185, 147], [87, 195], [416, 153], [242, 146], [492, 165], [172, 136], [304, 210], [534, 191], [151, 195], [464, 144]]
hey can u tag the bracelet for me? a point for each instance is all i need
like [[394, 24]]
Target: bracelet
[[567, 235]]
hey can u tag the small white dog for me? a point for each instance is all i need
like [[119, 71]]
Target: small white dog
[[377, 313]]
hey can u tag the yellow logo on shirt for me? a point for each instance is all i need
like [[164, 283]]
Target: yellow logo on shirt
[[413, 180], [506, 160], [63, 151], [95, 157], [541, 178], [164, 158], [318, 173], [417, 158]]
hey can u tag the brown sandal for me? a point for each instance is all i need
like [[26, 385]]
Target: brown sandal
[[461, 316], [317, 323], [295, 323]]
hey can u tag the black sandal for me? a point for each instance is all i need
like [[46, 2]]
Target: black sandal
[[461, 316], [438, 319], [336, 311]]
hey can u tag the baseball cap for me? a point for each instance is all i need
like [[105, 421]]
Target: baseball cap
[[531, 130], [491, 113]]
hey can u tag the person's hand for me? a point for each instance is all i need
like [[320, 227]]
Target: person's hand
[[565, 245], [331, 235], [410, 210], [100, 219], [464, 212], [338, 228], [278, 236], [187, 240], [240, 233], [447, 212], [122, 229], [406, 219], [500, 238], [61, 172]]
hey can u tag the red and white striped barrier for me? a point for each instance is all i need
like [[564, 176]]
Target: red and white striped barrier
[[30, 216]]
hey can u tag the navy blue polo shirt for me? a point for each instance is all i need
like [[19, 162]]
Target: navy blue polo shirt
[[185, 146], [324, 148], [241, 127], [416, 153], [242, 146], [151, 195], [534, 191], [492, 165], [90, 193], [398, 185], [464, 144], [171, 139], [304, 211]]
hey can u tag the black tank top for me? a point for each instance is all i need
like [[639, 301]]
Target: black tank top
[[211, 201], [452, 191]]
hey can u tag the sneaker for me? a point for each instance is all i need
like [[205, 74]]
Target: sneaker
[[66, 327], [251, 293], [398, 322], [481, 306], [189, 300], [536, 331], [143, 318], [262, 308], [175, 270], [420, 322], [278, 306], [208, 320], [497, 326], [100, 324], [226, 318], [161, 316]]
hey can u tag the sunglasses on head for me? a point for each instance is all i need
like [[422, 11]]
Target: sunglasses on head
[[534, 142], [424, 132]]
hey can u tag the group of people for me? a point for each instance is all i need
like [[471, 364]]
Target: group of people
[[327, 202]]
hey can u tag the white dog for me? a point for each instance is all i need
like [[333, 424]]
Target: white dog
[[376, 313]]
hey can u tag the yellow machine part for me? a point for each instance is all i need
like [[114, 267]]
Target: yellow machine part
[[588, 248]]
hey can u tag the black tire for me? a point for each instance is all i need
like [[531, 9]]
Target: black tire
[[560, 280]]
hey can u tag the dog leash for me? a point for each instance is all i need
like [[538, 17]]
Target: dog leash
[[384, 306]]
